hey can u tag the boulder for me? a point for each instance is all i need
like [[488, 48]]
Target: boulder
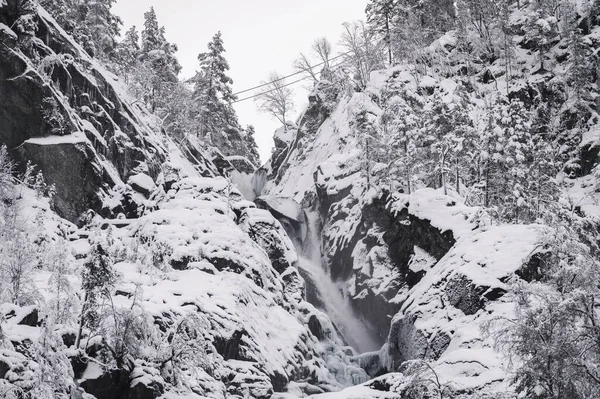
[[110, 385], [142, 183], [68, 163], [314, 325], [30, 317], [230, 347]]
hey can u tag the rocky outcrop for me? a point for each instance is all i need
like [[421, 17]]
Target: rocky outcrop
[[458, 293], [61, 111]]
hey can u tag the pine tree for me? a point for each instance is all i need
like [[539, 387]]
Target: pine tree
[[440, 138], [103, 26], [403, 128], [380, 15], [97, 279], [251, 145], [372, 145], [128, 53], [213, 95], [514, 122], [91, 22], [158, 58]]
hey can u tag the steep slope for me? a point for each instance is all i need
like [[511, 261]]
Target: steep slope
[[202, 296], [424, 271]]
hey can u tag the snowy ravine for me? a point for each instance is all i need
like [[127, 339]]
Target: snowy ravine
[[423, 270], [322, 290], [304, 279], [209, 281]]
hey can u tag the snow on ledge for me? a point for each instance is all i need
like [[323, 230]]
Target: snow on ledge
[[74, 138]]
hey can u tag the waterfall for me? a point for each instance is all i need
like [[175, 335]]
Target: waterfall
[[332, 296], [302, 227]]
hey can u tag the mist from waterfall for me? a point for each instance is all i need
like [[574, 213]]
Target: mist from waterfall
[[332, 295]]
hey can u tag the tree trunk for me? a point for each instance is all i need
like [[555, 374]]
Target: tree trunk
[[457, 179], [81, 317], [389, 37], [487, 185]]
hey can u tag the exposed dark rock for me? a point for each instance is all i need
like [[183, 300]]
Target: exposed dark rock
[[590, 157], [140, 390], [136, 184], [231, 348], [402, 232], [269, 236], [68, 338], [110, 385], [78, 364], [381, 385], [72, 171], [372, 364], [294, 284], [406, 341], [377, 309], [35, 105], [532, 270], [4, 368], [181, 263], [31, 318], [438, 345], [279, 381], [314, 325], [464, 295]]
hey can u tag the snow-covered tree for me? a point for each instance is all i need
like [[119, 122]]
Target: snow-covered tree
[[439, 136], [369, 140], [363, 55], [251, 145], [91, 22], [128, 53], [212, 94], [159, 62], [401, 123], [97, 280], [554, 337], [380, 17]]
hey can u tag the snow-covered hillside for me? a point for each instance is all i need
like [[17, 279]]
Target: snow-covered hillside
[[410, 237]]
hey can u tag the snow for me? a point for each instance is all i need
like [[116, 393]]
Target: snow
[[324, 151], [5, 29], [427, 82], [92, 372], [443, 212], [421, 260], [143, 181], [285, 206], [73, 138], [591, 137]]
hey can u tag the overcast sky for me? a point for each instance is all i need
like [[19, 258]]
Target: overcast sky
[[260, 36]]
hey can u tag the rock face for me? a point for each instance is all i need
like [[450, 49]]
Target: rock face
[[67, 163], [185, 243], [422, 269], [61, 110]]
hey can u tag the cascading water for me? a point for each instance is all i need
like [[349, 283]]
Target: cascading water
[[332, 296]]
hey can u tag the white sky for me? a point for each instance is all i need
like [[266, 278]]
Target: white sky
[[260, 36]]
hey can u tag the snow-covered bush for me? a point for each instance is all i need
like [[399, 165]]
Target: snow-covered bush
[[184, 347], [554, 338]]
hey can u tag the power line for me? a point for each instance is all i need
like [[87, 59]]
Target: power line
[[277, 88], [270, 91], [289, 76]]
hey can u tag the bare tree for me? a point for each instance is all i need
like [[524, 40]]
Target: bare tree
[[362, 55], [277, 99], [318, 60]]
